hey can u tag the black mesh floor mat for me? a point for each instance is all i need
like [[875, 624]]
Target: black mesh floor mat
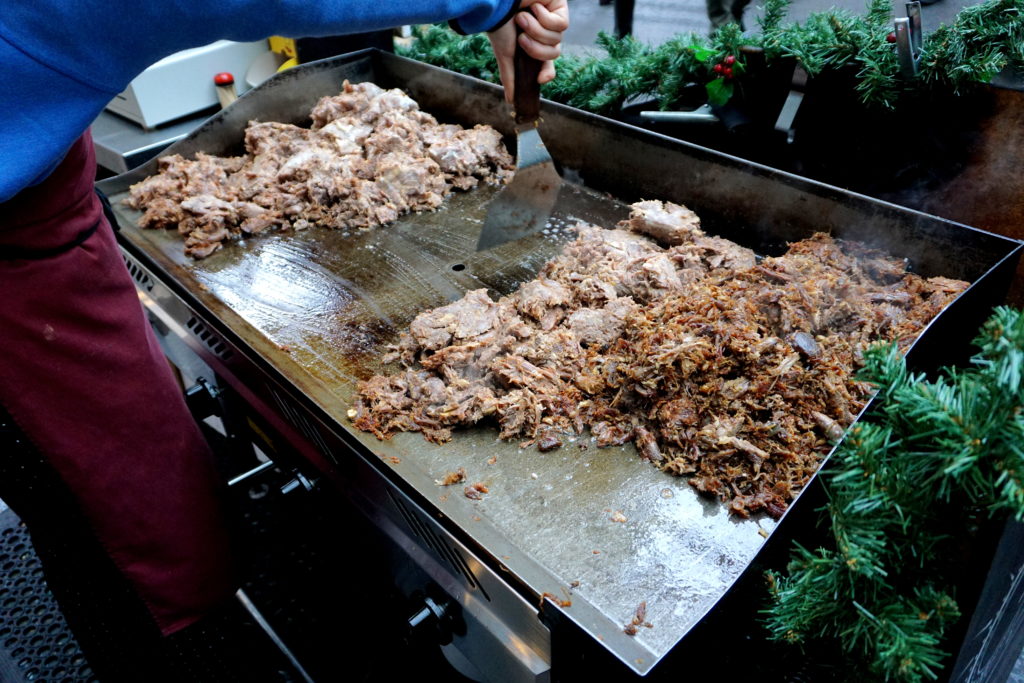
[[35, 642]]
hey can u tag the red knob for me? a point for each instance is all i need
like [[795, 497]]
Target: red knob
[[224, 78]]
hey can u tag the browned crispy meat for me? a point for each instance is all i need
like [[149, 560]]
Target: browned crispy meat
[[456, 477], [639, 619], [476, 491], [740, 379], [370, 156]]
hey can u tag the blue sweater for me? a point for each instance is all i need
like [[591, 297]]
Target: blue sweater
[[61, 61]]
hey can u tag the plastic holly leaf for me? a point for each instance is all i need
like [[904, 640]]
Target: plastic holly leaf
[[719, 92], [703, 54]]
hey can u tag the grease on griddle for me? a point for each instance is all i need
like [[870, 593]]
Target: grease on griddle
[[359, 341]]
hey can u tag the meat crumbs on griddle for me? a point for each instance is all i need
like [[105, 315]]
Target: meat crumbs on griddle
[[370, 156], [734, 373]]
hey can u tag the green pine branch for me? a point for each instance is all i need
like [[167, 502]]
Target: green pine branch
[[983, 40], [904, 488]]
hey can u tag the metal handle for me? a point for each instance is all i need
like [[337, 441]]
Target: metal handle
[[526, 94], [701, 114], [435, 618], [299, 480], [909, 40]]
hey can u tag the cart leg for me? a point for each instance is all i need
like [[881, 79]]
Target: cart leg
[[268, 629]]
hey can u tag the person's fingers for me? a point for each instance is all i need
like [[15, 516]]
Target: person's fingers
[[542, 24], [553, 19], [507, 73], [547, 73], [535, 30], [539, 50], [503, 42]]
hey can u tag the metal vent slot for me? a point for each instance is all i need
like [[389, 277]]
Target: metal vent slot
[[210, 340], [444, 550], [298, 419], [138, 274]]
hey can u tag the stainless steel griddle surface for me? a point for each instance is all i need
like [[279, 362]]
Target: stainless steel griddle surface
[[325, 304], [320, 306]]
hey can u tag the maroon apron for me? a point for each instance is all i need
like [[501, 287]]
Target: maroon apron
[[82, 375]]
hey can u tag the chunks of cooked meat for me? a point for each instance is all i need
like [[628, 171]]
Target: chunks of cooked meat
[[454, 477], [668, 223], [740, 380], [476, 491], [370, 156]]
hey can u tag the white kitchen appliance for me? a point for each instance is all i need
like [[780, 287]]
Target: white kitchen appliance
[[182, 83]]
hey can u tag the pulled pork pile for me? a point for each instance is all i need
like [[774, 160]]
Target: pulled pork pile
[[732, 372], [370, 156]]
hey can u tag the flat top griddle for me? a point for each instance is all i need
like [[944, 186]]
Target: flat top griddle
[[320, 306], [326, 303]]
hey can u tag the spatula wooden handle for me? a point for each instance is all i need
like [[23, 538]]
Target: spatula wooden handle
[[526, 98]]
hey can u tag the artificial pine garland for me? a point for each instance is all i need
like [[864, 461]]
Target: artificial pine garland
[[981, 42], [933, 459]]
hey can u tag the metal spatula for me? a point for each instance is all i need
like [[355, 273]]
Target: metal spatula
[[523, 206]]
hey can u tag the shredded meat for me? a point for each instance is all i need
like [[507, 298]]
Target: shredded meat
[[639, 619], [476, 491], [370, 156], [456, 477], [734, 373]]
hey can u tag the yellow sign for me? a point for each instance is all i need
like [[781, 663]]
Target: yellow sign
[[283, 46]]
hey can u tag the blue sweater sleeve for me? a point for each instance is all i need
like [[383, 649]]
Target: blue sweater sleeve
[[65, 59]]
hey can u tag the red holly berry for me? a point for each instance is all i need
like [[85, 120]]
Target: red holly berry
[[718, 68], [730, 60], [891, 38], [727, 72]]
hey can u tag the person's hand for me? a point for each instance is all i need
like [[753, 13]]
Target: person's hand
[[542, 22]]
